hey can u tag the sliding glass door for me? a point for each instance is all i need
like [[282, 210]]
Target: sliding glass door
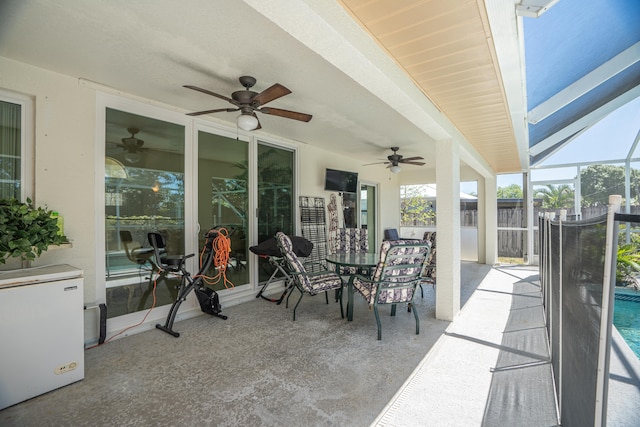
[[223, 202], [149, 188], [276, 205], [144, 191]]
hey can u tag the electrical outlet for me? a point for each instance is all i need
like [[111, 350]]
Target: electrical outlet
[[65, 368]]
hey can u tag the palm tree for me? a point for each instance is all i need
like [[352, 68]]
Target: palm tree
[[556, 196]]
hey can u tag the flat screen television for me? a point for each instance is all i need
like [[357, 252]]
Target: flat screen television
[[341, 181]]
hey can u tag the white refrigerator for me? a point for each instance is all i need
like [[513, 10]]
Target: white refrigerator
[[41, 331]]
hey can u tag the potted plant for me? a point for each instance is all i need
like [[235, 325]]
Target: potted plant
[[26, 231]]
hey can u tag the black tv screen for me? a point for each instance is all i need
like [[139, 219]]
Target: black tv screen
[[341, 181]]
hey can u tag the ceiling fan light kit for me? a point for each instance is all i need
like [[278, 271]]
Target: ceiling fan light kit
[[247, 122], [132, 145], [132, 157], [395, 169], [248, 102]]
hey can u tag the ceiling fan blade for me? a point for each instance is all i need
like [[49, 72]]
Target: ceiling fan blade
[[404, 159], [217, 110], [376, 163], [286, 113], [208, 92], [274, 92], [413, 163]]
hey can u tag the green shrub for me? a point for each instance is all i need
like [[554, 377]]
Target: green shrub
[[628, 262]]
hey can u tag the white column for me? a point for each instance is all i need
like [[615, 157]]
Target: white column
[[491, 220], [482, 221], [448, 229]]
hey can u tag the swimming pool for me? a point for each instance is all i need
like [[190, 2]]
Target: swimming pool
[[626, 317]]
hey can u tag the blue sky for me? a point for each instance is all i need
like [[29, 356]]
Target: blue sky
[[609, 139]]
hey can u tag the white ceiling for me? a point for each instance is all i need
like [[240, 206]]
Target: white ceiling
[[362, 103]]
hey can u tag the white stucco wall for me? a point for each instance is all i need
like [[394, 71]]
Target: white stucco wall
[[64, 163]]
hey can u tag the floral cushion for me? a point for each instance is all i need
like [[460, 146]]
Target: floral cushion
[[368, 288], [320, 282], [312, 283], [351, 240], [430, 271]]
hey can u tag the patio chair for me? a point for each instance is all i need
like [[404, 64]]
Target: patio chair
[[391, 234], [307, 282], [394, 279], [351, 240], [429, 275]]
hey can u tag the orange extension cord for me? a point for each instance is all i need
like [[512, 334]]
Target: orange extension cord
[[221, 249], [155, 285]]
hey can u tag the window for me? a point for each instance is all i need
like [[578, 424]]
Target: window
[[15, 146]]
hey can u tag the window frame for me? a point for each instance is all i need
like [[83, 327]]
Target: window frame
[[27, 143]]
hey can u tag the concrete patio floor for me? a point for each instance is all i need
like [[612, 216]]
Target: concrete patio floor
[[259, 368]]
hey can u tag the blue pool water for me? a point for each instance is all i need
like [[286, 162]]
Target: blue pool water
[[626, 317]]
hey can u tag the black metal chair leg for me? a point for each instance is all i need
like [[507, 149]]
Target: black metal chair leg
[[375, 311], [297, 303], [341, 309]]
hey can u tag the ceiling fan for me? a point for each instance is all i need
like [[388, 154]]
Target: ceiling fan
[[394, 160], [248, 102], [132, 145]]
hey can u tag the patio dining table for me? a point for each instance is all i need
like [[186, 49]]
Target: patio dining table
[[362, 261]]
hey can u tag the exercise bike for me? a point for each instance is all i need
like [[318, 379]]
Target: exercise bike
[[165, 264]]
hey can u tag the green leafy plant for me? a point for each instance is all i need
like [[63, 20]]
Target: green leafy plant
[[26, 231], [628, 262]]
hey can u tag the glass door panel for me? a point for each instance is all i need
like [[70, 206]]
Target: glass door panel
[[275, 197], [223, 202], [368, 213], [144, 191]]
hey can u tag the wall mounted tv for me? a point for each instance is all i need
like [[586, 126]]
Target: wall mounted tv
[[341, 181]]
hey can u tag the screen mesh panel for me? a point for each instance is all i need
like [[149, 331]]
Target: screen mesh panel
[[584, 248], [553, 265], [572, 275]]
